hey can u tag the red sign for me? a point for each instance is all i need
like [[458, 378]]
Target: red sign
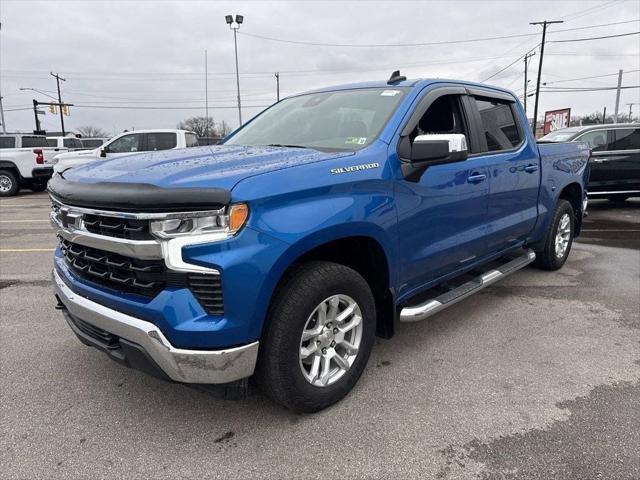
[[556, 119]]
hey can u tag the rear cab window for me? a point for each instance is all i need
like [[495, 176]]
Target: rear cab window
[[499, 125], [7, 142], [191, 139], [28, 142]]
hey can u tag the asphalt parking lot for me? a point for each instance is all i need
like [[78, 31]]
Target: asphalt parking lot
[[537, 377]]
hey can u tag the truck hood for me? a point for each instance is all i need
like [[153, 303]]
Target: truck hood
[[198, 167]]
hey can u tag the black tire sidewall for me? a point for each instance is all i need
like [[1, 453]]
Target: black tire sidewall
[[298, 297], [15, 187], [563, 207]]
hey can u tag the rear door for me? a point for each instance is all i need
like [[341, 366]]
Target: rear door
[[514, 169], [616, 168]]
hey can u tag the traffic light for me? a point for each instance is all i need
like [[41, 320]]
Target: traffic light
[[52, 108], [65, 110]]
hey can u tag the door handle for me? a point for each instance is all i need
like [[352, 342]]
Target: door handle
[[476, 178], [531, 168]]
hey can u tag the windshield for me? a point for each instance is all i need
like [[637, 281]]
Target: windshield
[[558, 136], [331, 121]]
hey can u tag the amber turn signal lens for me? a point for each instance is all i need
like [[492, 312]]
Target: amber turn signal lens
[[238, 216]]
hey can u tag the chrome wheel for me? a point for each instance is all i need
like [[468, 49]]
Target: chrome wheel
[[6, 183], [563, 235], [330, 340]]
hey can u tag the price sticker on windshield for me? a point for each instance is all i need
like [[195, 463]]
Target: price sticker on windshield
[[389, 93], [355, 140]]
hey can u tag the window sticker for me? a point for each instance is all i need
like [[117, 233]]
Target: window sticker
[[389, 93], [355, 140]]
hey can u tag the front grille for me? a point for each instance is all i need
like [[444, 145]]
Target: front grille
[[117, 227], [208, 290], [142, 277]]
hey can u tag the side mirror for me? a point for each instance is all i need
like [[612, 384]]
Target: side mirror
[[430, 149], [104, 151]]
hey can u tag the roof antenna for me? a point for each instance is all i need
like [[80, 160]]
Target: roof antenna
[[395, 78]]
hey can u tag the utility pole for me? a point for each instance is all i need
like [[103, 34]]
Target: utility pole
[[526, 81], [35, 114], [206, 96], [615, 112], [58, 78], [630, 106], [4, 127], [544, 35], [604, 116], [277, 74]]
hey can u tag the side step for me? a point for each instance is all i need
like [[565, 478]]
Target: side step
[[434, 305]]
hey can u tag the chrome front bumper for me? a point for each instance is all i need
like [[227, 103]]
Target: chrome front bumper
[[187, 366]]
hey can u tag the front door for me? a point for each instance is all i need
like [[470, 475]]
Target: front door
[[442, 216]]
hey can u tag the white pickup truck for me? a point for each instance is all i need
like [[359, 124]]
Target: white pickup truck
[[128, 143], [25, 161]]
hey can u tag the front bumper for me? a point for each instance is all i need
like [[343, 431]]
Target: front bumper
[[180, 365]]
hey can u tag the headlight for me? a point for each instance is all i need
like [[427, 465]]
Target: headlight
[[229, 222]]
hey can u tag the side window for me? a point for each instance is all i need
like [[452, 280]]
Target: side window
[[72, 143], [161, 141], [625, 139], [443, 116], [7, 142], [498, 124], [597, 140], [52, 142], [30, 142], [126, 144], [191, 139]]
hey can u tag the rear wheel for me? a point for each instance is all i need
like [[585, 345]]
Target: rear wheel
[[9, 185], [318, 338], [559, 238]]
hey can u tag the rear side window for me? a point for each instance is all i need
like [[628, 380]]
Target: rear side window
[[596, 139], [7, 142], [53, 142], [498, 124], [28, 142], [91, 142], [72, 143], [161, 141], [191, 139], [625, 139]]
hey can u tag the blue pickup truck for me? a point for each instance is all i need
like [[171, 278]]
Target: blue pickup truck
[[280, 254]]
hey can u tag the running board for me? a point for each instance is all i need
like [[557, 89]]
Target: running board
[[432, 306]]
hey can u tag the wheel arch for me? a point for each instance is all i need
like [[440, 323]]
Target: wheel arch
[[574, 195]]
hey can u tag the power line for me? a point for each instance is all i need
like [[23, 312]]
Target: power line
[[585, 89], [589, 11], [510, 65], [594, 38], [589, 78], [421, 44]]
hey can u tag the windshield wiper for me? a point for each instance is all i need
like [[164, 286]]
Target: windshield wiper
[[285, 145]]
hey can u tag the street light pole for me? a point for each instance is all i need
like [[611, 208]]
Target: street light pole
[[206, 96], [544, 34], [277, 74], [526, 80], [234, 24], [4, 127]]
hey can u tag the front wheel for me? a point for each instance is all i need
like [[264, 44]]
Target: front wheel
[[559, 238], [318, 338], [9, 185]]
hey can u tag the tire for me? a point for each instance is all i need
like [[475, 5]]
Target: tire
[[556, 251], [282, 373], [620, 198], [9, 185]]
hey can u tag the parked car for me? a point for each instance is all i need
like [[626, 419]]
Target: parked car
[[65, 143], [126, 144], [25, 161], [314, 227], [91, 143], [615, 161]]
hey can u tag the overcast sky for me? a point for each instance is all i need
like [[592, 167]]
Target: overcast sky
[[120, 54]]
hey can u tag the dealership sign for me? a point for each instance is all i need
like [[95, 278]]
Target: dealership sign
[[556, 119]]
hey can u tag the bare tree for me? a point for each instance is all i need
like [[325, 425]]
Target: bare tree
[[88, 131], [201, 126]]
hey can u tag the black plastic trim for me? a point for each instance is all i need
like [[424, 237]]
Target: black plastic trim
[[138, 197]]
